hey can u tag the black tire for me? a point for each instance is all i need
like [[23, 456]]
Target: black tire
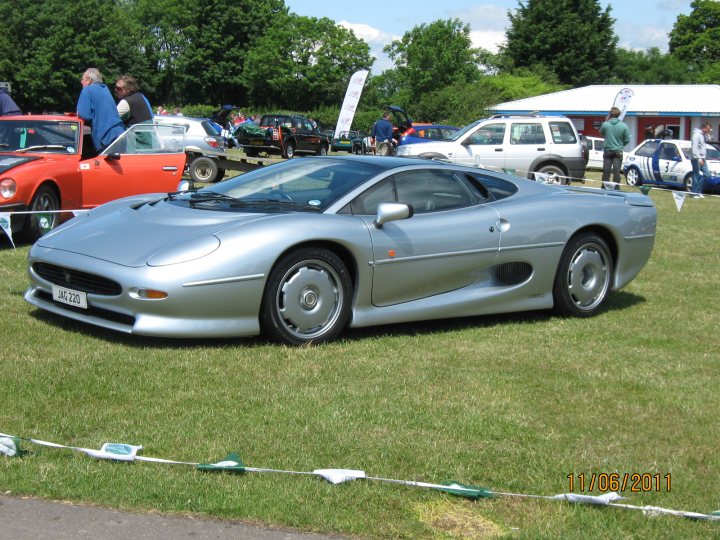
[[251, 152], [633, 177], [322, 151], [203, 169], [687, 181], [584, 276], [556, 171], [289, 150], [45, 199], [307, 298]]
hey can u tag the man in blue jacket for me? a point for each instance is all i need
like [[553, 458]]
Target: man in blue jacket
[[97, 107], [7, 106]]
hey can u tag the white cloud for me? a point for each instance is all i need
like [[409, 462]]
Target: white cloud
[[488, 39]]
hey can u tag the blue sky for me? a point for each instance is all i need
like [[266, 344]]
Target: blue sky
[[639, 24]]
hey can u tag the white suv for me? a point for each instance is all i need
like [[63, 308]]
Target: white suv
[[521, 144]]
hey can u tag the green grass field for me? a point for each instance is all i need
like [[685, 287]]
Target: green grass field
[[513, 403]]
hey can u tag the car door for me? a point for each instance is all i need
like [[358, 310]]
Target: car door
[[527, 141], [485, 146], [145, 159], [444, 246], [667, 163]]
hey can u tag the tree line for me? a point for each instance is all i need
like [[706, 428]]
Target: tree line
[[257, 55]]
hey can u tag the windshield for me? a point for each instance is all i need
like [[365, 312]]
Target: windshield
[[306, 185], [462, 131], [39, 136]]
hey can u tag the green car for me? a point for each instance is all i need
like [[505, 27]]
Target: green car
[[343, 143]]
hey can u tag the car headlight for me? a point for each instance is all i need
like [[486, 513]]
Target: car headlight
[[8, 188]]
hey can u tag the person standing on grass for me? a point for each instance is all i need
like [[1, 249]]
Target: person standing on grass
[[698, 153], [97, 107], [133, 106], [617, 137]]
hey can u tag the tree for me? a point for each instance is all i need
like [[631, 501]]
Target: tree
[[573, 38], [433, 56], [650, 67], [302, 63], [54, 41], [695, 39]]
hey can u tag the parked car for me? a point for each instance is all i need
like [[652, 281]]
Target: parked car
[[204, 145], [284, 134], [301, 249], [524, 144], [667, 163], [49, 163], [344, 141], [423, 133], [595, 147]]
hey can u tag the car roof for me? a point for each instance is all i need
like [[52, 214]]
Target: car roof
[[679, 142]]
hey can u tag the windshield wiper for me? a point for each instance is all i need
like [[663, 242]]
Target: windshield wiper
[[40, 147], [276, 204]]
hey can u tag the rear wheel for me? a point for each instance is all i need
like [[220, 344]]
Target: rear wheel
[[44, 200], [322, 151], [203, 169], [307, 298], [632, 177], [584, 276], [557, 172], [289, 150]]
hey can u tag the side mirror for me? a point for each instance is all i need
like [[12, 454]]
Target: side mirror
[[113, 156], [392, 212]]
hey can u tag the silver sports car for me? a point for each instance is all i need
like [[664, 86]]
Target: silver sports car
[[302, 249]]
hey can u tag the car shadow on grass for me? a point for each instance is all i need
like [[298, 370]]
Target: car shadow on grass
[[617, 302]]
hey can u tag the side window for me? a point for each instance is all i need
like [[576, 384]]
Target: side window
[[562, 133], [432, 191], [599, 145], [647, 149], [489, 134], [669, 151], [367, 202], [526, 133], [497, 187]]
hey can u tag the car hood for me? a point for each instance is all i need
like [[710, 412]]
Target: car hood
[[8, 162], [136, 235]]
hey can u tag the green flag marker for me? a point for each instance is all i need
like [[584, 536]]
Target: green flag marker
[[471, 492], [231, 463]]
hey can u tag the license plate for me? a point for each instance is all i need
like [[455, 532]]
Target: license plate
[[70, 297], [258, 142]]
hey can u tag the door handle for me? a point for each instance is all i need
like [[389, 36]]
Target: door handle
[[169, 168], [541, 149], [498, 149]]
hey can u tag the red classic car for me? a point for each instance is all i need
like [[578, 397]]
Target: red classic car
[[48, 163]]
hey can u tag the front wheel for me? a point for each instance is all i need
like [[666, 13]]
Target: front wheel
[[688, 182], [203, 169], [584, 276], [632, 177], [44, 200], [307, 298], [289, 152]]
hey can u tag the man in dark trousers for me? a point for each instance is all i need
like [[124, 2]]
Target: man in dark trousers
[[617, 136], [7, 106]]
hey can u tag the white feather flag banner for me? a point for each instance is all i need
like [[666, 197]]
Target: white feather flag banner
[[350, 103]]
